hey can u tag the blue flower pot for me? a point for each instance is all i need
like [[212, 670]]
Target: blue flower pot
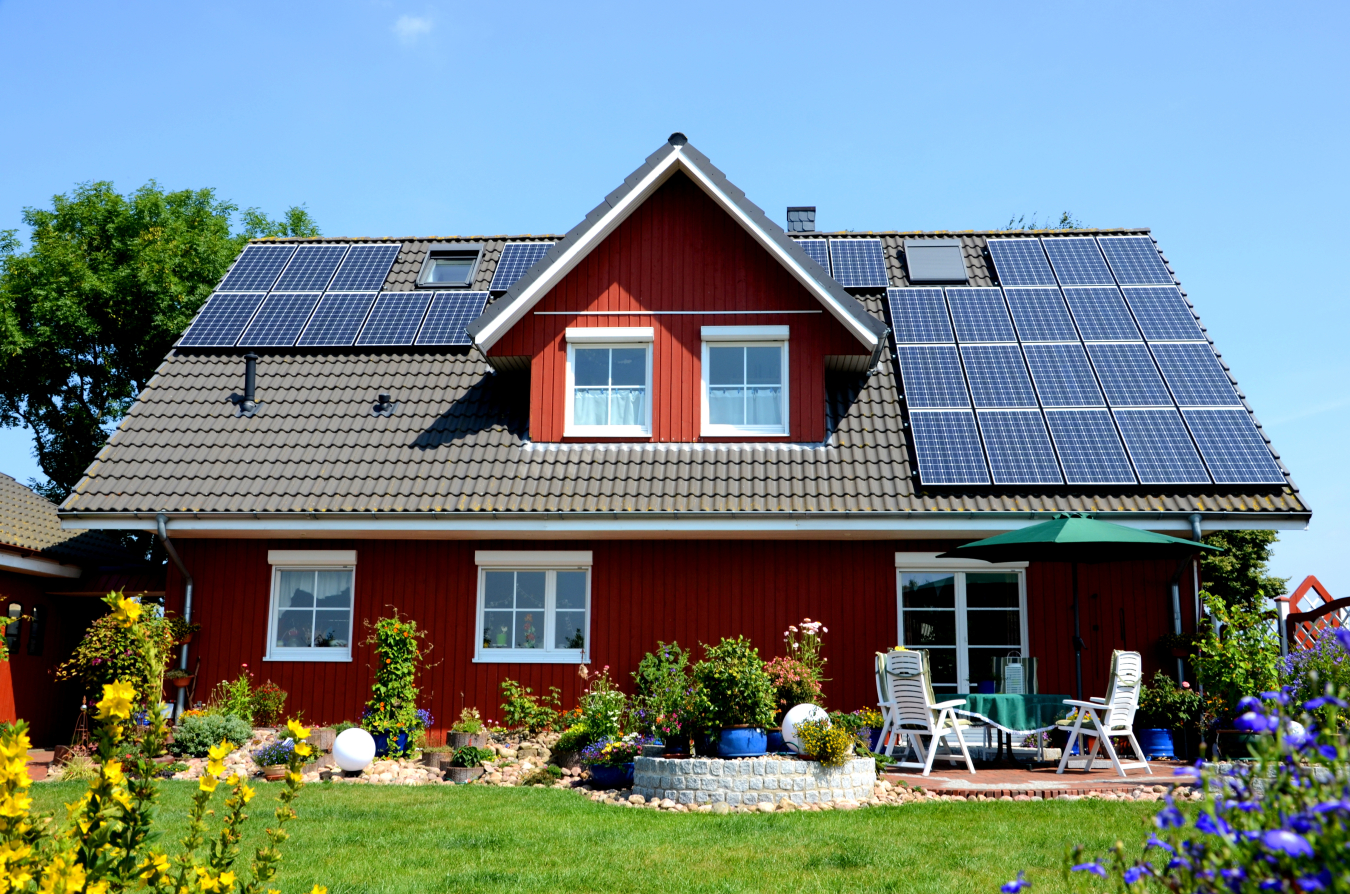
[[1156, 742], [742, 741], [775, 742], [873, 737], [605, 776], [382, 748]]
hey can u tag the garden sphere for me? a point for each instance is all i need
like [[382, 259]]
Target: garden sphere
[[354, 749], [800, 714]]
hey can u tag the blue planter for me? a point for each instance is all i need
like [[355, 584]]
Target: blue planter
[[603, 776], [382, 748], [1156, 742], [873, 737], [775, 742], [742, 741]]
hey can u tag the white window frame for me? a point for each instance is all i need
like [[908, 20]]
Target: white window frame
[[308, 560], [929, 563], [609, 337], [551, 561], [744, 337]]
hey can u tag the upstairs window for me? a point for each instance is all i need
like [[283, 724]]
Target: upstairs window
[[609, 378], [745, 380], [449, 268]]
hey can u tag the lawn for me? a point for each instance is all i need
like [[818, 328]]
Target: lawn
[[361, 840]]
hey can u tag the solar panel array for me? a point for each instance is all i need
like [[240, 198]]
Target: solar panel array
[[326, 296], [516, 259], [818, 250], [858, 263], [1085, 366]]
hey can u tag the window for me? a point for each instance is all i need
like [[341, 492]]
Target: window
[[533, 607], [12, 628], [311, 612], [745, 380], [449, 268], [609, 375], [967, 620]]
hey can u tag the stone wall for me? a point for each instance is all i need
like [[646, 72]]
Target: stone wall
[[752, 780]]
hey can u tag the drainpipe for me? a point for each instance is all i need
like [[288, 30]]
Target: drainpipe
[[161, 521]]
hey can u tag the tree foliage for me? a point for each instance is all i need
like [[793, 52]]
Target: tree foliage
[[88, 311], [1066, 222], [1239, 575]]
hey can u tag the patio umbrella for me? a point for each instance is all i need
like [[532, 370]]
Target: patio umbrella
[[1075, 539]]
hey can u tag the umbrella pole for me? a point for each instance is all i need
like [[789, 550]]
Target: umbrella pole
[[1077, 638]]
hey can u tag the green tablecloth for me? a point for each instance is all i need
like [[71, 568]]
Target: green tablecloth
[[1019, 712]]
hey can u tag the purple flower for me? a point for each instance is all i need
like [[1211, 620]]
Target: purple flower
[[1287, 842], [1213, 825], [1169, 817], [1135, 873], [1343, 637], [1319, 882], [1271, 884], [1015, 885], [1327, 751], [1257, 723], [1155, 841], [1281, 696], [1313, 704], [1234, 876], [1249, 703], [1094, 868]]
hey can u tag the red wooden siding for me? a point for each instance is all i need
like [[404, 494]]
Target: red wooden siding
[[678, 252], [642, 592]]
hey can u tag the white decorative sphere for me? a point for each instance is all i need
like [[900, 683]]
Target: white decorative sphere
[[800, 714], [354, 749]]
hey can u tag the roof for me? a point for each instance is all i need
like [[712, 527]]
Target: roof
[[29, 524], [456, 446]]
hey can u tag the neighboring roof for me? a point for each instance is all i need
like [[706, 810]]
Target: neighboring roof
[[456, 447], [674, 157], [29, 525]]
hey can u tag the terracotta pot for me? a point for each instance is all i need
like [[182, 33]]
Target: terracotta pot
[[1180, 652], [185, 640], [274, 773], [180, 682]]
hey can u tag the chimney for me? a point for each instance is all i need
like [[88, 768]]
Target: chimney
[[801, 219], [248, 402]]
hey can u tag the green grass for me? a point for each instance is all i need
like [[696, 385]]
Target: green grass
[[361, 840]]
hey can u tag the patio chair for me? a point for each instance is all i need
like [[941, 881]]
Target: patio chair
[[905, 690], [1110, 716]]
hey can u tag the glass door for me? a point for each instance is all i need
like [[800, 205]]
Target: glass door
[[966, 621]]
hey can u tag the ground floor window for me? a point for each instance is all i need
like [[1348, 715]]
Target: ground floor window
[[311, 609], [967, 620], [533, 607]]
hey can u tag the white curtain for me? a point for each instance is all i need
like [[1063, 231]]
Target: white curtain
[[764, 405], [589, 406], [726, 406], [627, 406]]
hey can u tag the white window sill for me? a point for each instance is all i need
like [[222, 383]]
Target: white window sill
[[529, 656], [310, 655], [728, 431], [606, 431]]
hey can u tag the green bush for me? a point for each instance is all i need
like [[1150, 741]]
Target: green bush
[[469, 756], [524, 711], [574, 738], [542, 776], [733, 687], [234, 697], [826, 742], [268, 701], [340, 728], [195, 736], [1165, 705], [1239, 655], [661, 687]]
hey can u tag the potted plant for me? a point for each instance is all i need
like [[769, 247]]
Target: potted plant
[[466, 763], [468, 730], [669, 728], [181, 630], [178, 677], [829, 743], [611, 762], [1164, 709], [738, 696], [274, 757]]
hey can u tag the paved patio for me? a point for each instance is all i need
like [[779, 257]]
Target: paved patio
[[1039, 782]]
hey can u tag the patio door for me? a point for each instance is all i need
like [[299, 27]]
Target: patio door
[[965, 619]]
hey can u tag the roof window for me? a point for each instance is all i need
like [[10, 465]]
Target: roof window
[[935, 260], [450, 268]]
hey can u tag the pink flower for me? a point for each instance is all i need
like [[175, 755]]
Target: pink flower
[[824, 630]]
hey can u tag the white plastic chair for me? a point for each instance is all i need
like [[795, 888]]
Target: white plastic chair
[[1110, 716], [905, 690]]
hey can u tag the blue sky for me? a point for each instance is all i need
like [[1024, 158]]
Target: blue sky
[[1221, 126]]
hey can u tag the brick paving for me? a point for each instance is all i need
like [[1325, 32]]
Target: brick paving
[[1037, 782], [38, 762]]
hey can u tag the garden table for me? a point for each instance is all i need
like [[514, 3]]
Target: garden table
[[1010, 714]]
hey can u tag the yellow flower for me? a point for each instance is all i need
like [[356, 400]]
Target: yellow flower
[[128, 610], [298, 732], [303, 750], [219, 752], [246, 792], [120, 796], [234, 779], [97, 888], [208, 783], [15, 805], [112, 771], [318, 889], [215, 768], [117, 699], [227, 879], [62, 876], [294, 777]]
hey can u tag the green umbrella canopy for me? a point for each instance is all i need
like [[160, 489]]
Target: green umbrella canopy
[[1076, 538]]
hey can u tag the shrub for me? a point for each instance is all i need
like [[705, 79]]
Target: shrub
[[602, 705], [661, 686], [1308, 672], [573, 739], [793, 684], [108, 652], [469, 722], [542, 776], [1165, 705], [392, 708], [340, 728], [268, 701], [469, 756], [196, 736], [1239, 655], [234, 697], [733, 688], [830, 744], [522, 710]]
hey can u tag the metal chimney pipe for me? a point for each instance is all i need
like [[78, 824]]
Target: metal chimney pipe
[[250, 382]]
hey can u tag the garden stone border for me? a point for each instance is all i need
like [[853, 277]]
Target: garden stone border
[[698, 781]]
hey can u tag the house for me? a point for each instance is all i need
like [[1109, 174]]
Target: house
[[49, 577], [677, 422]]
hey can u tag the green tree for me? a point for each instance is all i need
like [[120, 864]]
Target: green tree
[[1066, 222], [1239, 575], [89, 310]]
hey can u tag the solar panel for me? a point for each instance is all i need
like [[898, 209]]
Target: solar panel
[[858, 263], [1194, 375], [450, 312], [1021, 262], [1078, 261], [947, 447], [518, 257], [337, 319], [256, 268], [1063, 377], [1040, 314], [365, 268], [1089, 447], [919, 316], [1163, 314], [997, 375], [221, 319], [1160, 447], [1135, 260], [280, 320], [311, 268], [1128, 375], [1101, 313], [818, 249], [1019, 447], [395, 318], [931, 375], [980, 315], [1233, 449]]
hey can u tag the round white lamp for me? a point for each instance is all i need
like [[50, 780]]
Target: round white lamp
[[354, 749], [799, 714]]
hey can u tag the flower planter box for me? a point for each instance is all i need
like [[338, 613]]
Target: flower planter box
[[462, 775], [274, 773], [464, 740], [322, 738], [604, 777], [384, 746]]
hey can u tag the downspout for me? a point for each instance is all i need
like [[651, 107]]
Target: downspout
[[1176, 593], [161, 521]]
